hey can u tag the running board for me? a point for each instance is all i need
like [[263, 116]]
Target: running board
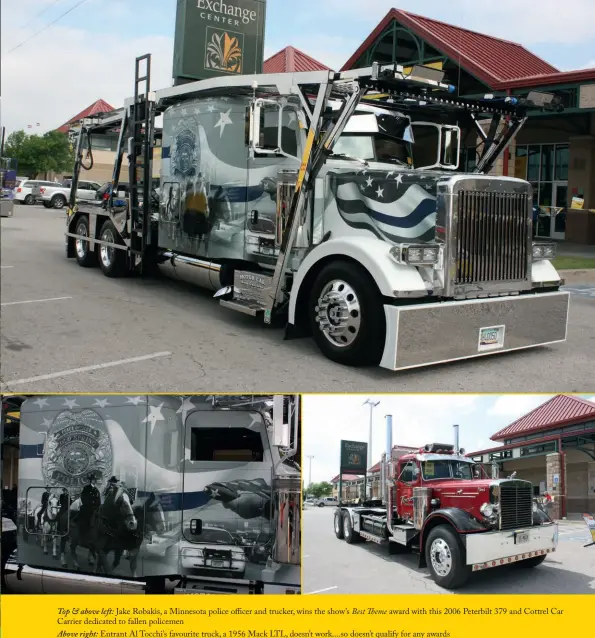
[[217, 587]]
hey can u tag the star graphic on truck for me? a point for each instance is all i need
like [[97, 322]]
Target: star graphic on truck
[[154, 416], [224, 120]]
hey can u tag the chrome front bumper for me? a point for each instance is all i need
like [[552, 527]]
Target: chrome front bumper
[[428, 334], [493, 549]]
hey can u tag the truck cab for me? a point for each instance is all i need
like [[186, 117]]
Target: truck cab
[[440, 504]]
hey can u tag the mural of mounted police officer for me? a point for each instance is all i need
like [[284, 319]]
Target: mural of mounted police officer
[[90, 502], [45, 499]]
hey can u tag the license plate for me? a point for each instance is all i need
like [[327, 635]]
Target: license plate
[[490, 338], [521, 537], [217, 563]]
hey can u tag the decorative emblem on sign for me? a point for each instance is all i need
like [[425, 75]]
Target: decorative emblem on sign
[[185, 153], [77, 446], [224, 52]]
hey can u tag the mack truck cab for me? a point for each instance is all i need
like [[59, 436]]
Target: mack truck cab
[[157, 494], [438, 503]]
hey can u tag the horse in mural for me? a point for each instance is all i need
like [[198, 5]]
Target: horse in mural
[[50, 524]]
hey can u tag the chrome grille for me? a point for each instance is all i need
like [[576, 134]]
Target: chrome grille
[[516, 504], [492, 242]]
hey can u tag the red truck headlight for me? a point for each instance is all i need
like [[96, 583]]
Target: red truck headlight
[[488, 510]]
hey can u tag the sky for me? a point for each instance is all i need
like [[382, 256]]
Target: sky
[[89, 54], [417, 419]]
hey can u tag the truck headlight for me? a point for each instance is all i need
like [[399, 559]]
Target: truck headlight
[[488, 510], [416, 254], [543, 251]]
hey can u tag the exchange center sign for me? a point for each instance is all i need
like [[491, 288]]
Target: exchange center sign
[[217, 37], [354, 456]]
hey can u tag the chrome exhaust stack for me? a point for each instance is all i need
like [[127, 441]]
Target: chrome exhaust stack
[[388, 455]]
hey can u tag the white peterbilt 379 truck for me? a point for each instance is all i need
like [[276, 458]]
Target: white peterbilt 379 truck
[[332, 201], [157, 494]]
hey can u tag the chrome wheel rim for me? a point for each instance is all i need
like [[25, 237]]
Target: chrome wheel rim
[[107, 253], [338, 313], [337, 525], [59, 203], [345, 526], [81, 244], [441, 557]]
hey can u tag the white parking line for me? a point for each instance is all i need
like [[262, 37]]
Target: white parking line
[[16, 303], [319, 591], [99, 366]]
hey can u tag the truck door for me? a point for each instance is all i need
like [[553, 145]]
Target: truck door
[[277, 145], [227, 509], [408, 478]]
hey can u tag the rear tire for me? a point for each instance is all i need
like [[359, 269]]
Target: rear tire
[[338, 525], [47, 205], [85, 255], [445, 557], [58, 201], [351, 536], [29, 200], [346, 315], [533, 562], [112, 261]]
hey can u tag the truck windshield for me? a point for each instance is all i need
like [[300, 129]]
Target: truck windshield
[[433, 470], [375, 148]]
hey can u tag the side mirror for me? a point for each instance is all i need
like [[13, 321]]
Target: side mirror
[[281, 432], [196, 526], [450, 147]]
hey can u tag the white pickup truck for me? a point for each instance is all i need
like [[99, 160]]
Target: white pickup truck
[[57, 196]]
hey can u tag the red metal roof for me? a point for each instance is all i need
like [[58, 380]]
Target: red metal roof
[[566, 77], [100, 106], [559, 411], [346, 477], [492, 60], [292, 60]]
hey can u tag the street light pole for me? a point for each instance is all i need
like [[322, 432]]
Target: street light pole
[[369, 463], [310, 457]]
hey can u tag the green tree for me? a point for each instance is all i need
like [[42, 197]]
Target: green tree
[[40, 153], [318, 490]]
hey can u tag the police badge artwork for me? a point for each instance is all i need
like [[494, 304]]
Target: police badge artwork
[[77, 447]]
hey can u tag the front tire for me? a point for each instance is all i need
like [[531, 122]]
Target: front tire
[[112, 261], [58, 201], [85, 256], [445, 558], [347, 315]]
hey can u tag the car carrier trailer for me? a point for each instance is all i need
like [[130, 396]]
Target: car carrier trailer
[[440, 504], [332, 202], [157, 494]]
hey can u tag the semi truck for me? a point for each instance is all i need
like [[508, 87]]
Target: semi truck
[[157, 494], [439, 503], [333, 204]]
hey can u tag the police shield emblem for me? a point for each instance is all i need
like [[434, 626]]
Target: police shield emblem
[[77, 447]]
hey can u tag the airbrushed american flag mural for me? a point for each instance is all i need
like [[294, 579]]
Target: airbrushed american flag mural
[[396, 206]]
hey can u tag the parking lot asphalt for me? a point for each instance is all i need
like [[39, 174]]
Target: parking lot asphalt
[[70, 329], [331, 566]]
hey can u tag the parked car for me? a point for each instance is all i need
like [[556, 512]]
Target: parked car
[[105, 190], [327, 500], [28, 191], [56, 196], [216, 551]]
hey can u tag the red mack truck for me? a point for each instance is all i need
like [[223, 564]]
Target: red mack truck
[[442, 505]]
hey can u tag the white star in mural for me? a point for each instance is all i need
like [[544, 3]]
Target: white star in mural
[[71, 403], [135, 400], [197, 110], [41, 403], [399, 178], [214, 493], [186, 406], [154, 416], [101, 403], [380, 191], [369, 182], [46, 423], [389, 174], [211, 108], [224, 120]]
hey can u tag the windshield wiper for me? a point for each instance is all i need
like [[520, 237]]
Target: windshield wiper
[[350, 157]]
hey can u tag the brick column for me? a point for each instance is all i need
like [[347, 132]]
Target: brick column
[[554, 467], [591, 488]]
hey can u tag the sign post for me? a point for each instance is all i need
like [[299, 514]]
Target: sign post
[[354, 455], [218, 37]]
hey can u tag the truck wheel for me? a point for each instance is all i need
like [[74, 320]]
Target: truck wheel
[[346, 315], [112, 261], [338, 525], [85, 256], [351, 536], [445, 558], [58, 201], [532, 562]]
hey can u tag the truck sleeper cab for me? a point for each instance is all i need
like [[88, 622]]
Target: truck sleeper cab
[[438, 505], [158, 494], [342, 215]]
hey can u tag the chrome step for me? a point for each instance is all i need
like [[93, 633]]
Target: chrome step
[[247, 307]]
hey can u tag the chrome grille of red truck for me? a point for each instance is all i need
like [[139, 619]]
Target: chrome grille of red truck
[[491, 240], [516, 504]]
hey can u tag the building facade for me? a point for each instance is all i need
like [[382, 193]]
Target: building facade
[[552, 446]]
